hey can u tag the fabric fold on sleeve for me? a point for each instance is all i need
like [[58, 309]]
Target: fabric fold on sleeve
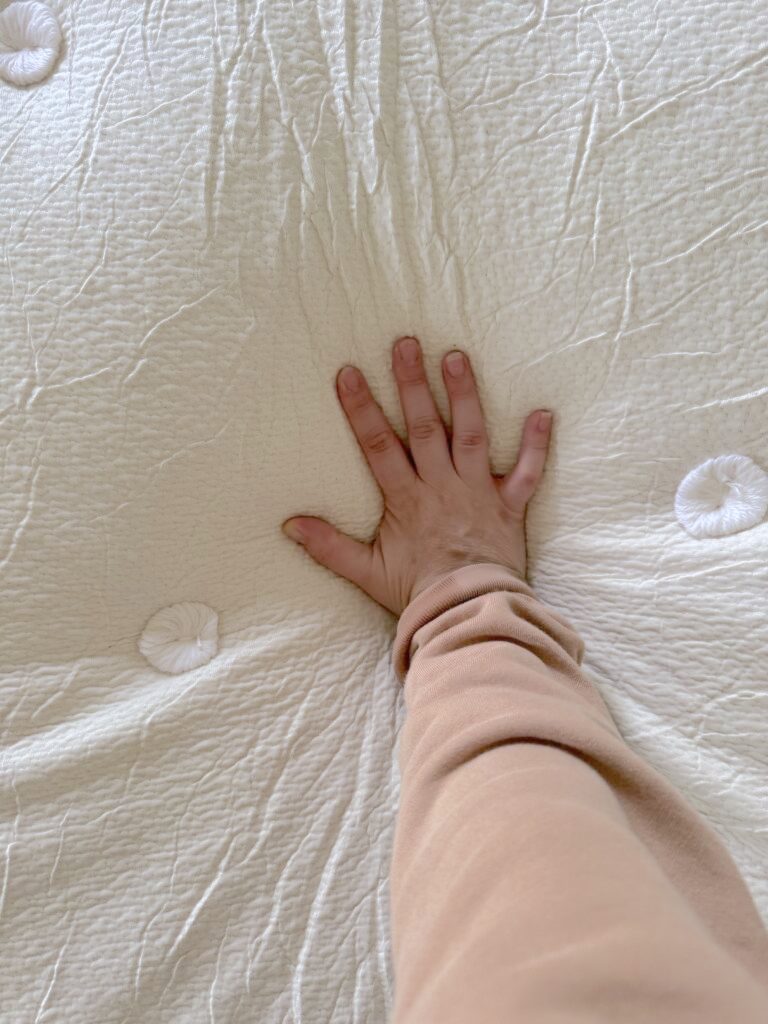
[[542, 868]]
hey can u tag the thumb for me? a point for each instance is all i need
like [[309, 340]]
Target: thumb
[[333, 549]]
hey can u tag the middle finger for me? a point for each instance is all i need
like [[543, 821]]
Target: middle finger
[[426, 433]]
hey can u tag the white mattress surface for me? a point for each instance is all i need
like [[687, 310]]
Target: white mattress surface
[[206, 210]]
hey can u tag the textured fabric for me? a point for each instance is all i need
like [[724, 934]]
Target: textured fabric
[[207, 209], [541, 868]]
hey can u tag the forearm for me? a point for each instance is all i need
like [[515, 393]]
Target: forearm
[[540, 866]]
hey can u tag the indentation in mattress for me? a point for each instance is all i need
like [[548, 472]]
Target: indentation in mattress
[[723, 495], [181, 637], [30, 39]]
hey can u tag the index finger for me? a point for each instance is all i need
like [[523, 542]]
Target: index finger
[[380, 444]]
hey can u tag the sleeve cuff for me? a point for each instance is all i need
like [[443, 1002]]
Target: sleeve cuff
[[454, 588]]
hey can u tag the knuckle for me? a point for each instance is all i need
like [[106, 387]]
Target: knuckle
[[470, 439], [325, 545], [513, 516], [411, 375], [377, 441], [423, 428], [402, 500], [529, 479], [319, 549], [462, 387], [357, 402]]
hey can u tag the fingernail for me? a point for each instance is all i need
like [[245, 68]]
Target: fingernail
[[544, 422], [454, 363], [292, 529], [351, 379], [409, 351]]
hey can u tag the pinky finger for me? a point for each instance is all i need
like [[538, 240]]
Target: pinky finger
[[519, 485]]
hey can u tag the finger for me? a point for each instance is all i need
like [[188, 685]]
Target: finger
[[518, 487], [469, 440], [333, 549], [426, 433], [380, 444]]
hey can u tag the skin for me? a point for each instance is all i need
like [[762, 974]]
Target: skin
[[443, 507]]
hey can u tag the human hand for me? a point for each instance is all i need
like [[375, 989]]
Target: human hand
[[443, 508]]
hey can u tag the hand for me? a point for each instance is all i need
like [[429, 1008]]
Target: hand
[[443, 508]]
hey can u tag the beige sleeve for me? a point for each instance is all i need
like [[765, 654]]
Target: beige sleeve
[[542, 871]]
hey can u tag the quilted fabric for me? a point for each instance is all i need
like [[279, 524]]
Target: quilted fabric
[[207, 209]]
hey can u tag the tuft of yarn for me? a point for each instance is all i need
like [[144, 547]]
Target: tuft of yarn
[[721, 496], [30, 40], [181, 637]]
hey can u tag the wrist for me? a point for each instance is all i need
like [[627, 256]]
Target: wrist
[[446, 590], [423, 583]]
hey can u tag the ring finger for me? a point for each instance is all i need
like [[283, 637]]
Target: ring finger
[[469, 439], [426, 433]]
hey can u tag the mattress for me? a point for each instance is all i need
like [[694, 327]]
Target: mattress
[[207, 209]]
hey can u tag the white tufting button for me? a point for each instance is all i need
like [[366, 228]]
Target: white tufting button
[[723, 495], [30, 39], [181, 637]]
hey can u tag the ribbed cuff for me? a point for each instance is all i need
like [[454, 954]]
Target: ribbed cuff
[[454, 588]]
